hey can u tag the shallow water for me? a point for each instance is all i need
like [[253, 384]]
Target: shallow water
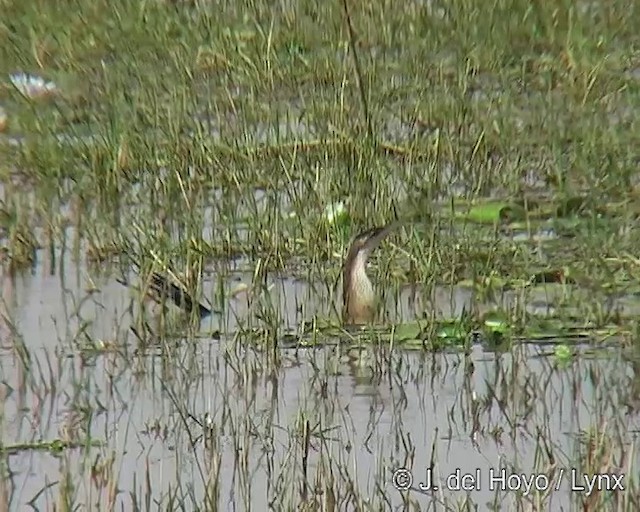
[[404, 409]]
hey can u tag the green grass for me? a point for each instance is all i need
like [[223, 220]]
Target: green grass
[[195, 134]]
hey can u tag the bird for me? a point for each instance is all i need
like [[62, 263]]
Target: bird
[[359, 302], [161, 287], [358, 296]]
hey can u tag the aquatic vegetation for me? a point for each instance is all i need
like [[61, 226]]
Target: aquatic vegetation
[[336, 213], [221, 160]]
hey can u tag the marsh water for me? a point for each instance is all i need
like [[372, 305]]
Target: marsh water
[[212, 139], [214, 415]]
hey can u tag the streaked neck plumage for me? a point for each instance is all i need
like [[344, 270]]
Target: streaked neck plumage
[[359, 299]]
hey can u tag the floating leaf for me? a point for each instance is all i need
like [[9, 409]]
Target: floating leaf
[[562, 354], [454, 332], [554, 331], [408, 331], [496, 331], [493, 212], [496, 324]]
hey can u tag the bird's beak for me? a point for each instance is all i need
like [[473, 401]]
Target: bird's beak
[[379, 234]]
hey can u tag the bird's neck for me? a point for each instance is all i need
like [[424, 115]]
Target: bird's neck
[[359, 296], [360, 282]]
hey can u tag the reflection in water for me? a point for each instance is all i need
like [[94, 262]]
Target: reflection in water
[[179, 419]]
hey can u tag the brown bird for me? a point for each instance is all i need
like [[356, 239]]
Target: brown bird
[[160, 287], [359, 299]]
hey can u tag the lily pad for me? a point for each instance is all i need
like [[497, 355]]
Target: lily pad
[[562, 353], [454, 332], [407, 332], [496, 323], [494, 212]]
